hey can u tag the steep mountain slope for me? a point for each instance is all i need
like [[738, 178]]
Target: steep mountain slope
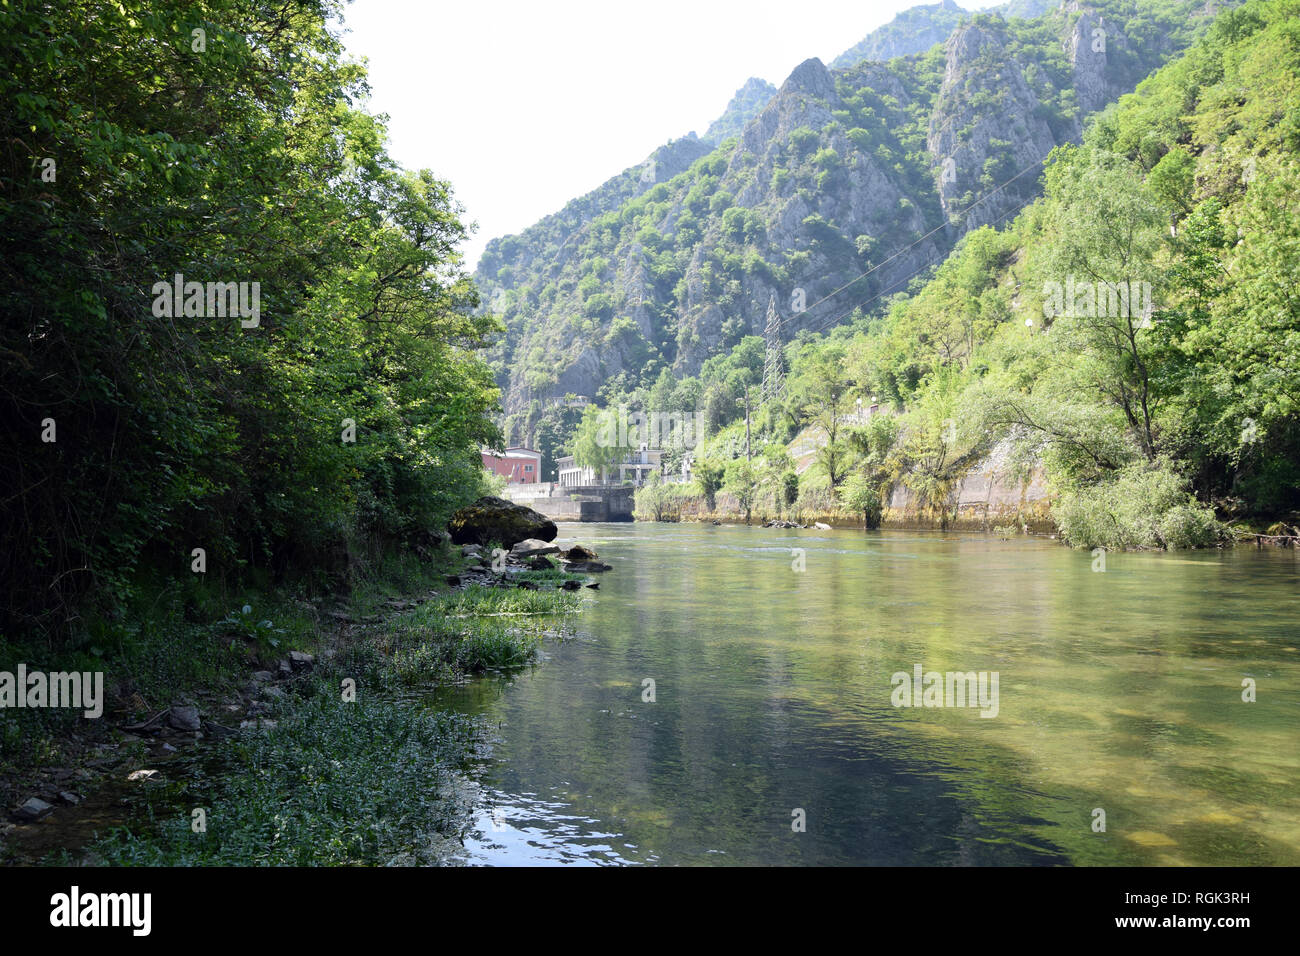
[[744, 106], [878, 168], [912, 31]]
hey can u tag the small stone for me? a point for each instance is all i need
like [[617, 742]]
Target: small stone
[[285, 668], [301, 660], [33, 809], [144, 776], [184, 717], [68, 797], [263, 676]]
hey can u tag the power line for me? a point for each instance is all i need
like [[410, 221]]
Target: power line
[[943, 225], [907, 278]]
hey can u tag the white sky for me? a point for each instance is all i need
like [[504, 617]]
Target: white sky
[[525, 104]]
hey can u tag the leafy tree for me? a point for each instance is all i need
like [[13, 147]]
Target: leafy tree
[[708, 477], [597, 443]]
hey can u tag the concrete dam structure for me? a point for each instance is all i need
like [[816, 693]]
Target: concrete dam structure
[[574, 503]]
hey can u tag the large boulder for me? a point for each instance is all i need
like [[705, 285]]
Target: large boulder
[[495, 519]]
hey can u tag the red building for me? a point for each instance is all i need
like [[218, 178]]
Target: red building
[[518, 465]]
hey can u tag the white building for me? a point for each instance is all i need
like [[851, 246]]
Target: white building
[[634, 469]]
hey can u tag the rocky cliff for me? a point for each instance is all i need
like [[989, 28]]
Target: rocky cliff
[[846, 184]]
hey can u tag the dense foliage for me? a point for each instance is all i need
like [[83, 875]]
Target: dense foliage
[[219, 140]]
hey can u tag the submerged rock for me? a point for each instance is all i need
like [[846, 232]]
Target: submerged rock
[[33, 809], [587, 567]]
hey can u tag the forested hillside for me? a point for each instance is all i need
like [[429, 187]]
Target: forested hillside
[[847, 185], [158, 423], [1135, 330]]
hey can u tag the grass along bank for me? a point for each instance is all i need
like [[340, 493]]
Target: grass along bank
[[336, 763]]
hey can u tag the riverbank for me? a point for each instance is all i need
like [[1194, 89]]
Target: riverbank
[[666, 503], [295, 738]]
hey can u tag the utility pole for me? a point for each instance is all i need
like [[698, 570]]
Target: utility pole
[[747, 451]]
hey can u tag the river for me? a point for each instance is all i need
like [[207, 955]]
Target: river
[[1120, 735]]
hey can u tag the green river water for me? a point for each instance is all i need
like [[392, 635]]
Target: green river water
[[1118, 691]]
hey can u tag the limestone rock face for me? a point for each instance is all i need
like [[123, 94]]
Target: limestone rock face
[[830, 193], [494, 519]]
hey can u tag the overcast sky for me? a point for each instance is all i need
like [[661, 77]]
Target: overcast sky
[[525, 104]]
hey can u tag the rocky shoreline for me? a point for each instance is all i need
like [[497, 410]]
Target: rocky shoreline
[[103, 767]]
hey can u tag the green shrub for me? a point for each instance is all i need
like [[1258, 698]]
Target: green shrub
[[1143, 506]]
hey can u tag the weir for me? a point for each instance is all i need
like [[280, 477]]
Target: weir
[[574, 502]]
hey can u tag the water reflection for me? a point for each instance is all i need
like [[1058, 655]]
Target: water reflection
[[1120, 691]]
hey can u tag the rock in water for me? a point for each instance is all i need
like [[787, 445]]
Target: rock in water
[[578, 553], [495, 519], [33, 809], [531, 548], [587, 567]]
